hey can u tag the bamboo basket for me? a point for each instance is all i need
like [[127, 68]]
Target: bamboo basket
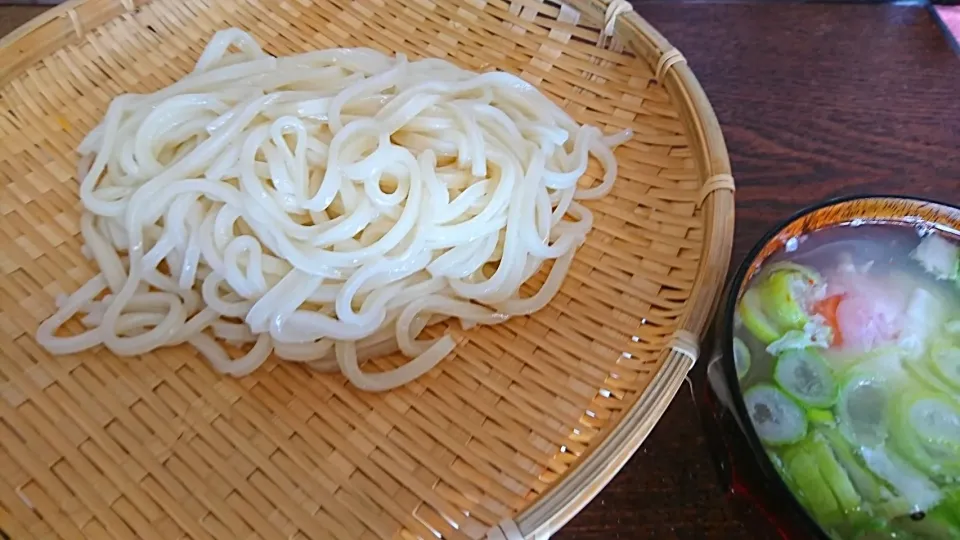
[[507, 439]]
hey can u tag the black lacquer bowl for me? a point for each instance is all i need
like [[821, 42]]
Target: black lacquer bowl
[[744, 466]]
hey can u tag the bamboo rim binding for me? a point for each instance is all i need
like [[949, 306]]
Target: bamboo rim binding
[[616, 8], [75, 18], [606, 39], [717, 182], [505, 530], [667, 60], [622, 29], [686, 343]]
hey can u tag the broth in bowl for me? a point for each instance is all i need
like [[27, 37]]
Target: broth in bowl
[[847, 348]]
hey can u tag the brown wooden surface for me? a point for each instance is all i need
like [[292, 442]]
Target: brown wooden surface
[[13, 16], [815, 101]]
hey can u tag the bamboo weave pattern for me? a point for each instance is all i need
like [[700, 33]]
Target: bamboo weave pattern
[[161, 447]]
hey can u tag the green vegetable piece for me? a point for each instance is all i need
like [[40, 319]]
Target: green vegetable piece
[[781, 469], [835, 475], [951, 506], [926, 432], [779, 295], [947, 513], [884, 364], [893, 507], [805, 375], [946, 363], [935, 525], [953, 327], [862, 411], [858, 524], [868, 486], [911, 485], [821, 416], [926, 374], [751, 312], [876, 529], [777, 418], [936, 420], [923, 319], [741, 357], [812, 276], [772, 306], [811, 487]]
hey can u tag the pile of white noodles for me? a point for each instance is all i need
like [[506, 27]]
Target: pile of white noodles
[[324, 207]]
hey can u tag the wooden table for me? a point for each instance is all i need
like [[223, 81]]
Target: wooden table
[[816, 101]]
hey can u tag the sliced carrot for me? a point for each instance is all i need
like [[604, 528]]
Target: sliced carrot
[[827, 308]]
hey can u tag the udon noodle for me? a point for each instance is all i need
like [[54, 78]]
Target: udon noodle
[[324, 207]]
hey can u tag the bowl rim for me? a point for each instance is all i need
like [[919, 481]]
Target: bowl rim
[[727, 313]]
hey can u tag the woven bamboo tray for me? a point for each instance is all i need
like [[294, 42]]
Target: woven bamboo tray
[[507, 439]]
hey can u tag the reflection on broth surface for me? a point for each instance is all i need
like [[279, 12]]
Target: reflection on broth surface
[[847, 346]]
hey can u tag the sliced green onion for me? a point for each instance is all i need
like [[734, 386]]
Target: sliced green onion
[[778, 465], [926, 374], [946, 362], [862, 411], [923, 319], [913, 486], [741, 357], [810, 486], [835, 475], [925, 430], [751, 312], [873, 529], [936, 420], [935, 524], [906, 443], [773, 305], [950, 506], [805, 375], [924, 436], [779, 296], [883, 363], [808, 273], [953, 327], [821, 416], [777, 418], [868, 485]]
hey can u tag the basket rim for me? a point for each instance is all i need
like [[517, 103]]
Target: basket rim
[[67, 24]]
